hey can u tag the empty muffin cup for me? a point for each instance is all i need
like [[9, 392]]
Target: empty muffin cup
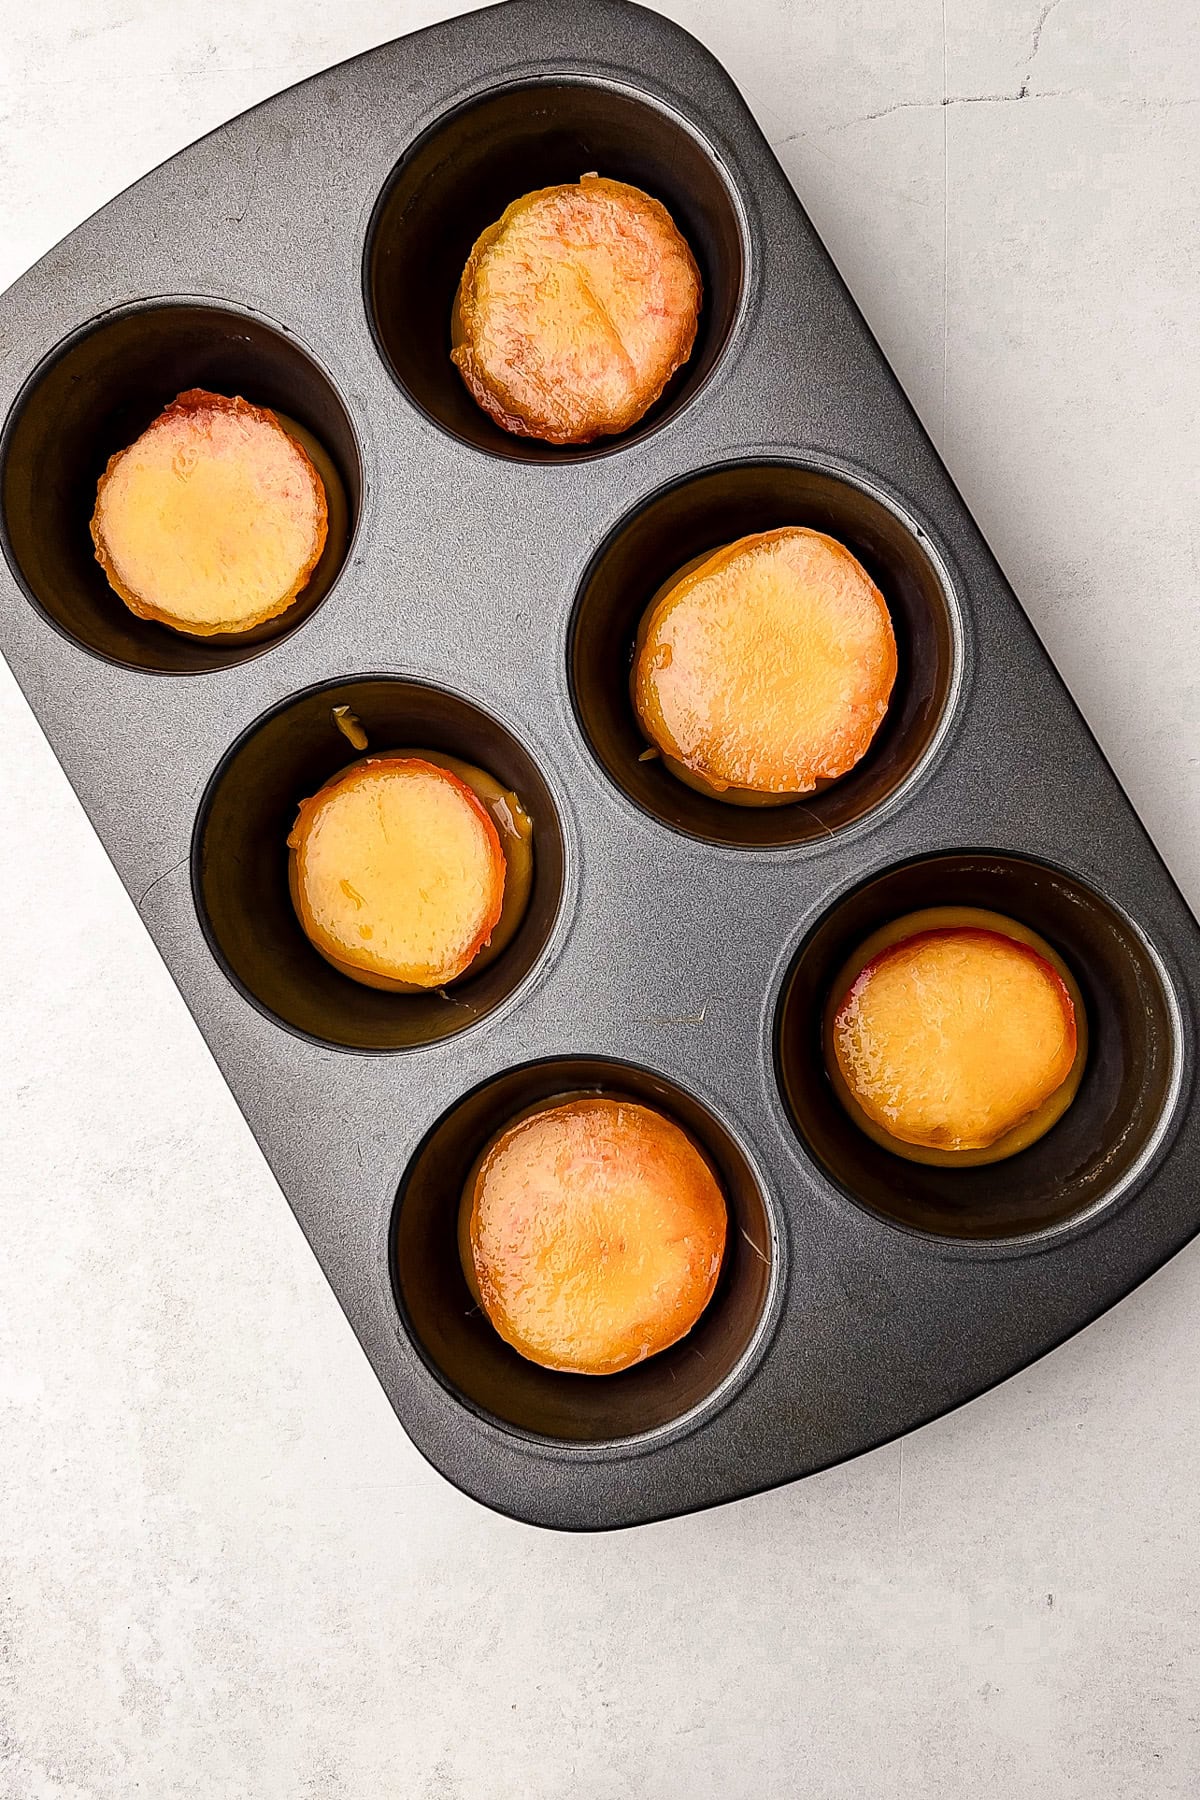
[[466, 1352], [1097, 1148], [240, 862]]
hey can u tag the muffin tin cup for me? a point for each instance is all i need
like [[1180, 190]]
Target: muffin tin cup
[[1130, 1085], [98, 392], [717, 506], [458, 178], [670, 1390], [481, 600], [240, 877]]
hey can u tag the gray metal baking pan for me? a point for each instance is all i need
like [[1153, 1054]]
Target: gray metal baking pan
[[480, 595]]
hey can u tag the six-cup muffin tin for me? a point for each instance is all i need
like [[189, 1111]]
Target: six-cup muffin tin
[[480, 597]]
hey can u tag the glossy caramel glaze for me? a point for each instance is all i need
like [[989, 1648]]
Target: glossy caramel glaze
[[956, 1036], [408, 869], [213, 520], [592, 1231], [764, 669], [574, 310]]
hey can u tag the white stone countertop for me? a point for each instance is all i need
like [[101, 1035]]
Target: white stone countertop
[[223, 1569]]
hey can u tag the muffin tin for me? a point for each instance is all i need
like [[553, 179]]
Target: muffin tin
[[479, 596]]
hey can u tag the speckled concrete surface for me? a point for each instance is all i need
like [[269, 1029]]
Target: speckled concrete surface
[[223, 1570]]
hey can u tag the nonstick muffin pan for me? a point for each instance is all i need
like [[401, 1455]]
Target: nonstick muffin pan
[[479, 595]]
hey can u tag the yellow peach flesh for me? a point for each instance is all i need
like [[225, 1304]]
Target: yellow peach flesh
[[398, 873], [574, 310], [952, 1038], [766, 668], [594, 1230], [213, 520]]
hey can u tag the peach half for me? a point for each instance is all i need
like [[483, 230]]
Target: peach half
[[574, 311], [955, 1036], [408, 869], [764, 669], [213, 520], [591, 1232]]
